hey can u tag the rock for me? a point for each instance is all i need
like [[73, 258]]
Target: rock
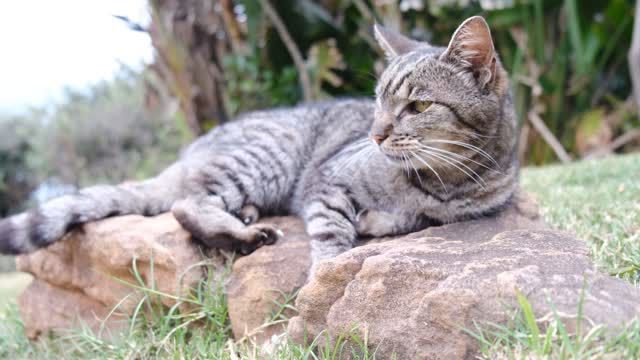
[[411, 295], [45, 307], [78, 272], [75, 276], [260, 278]]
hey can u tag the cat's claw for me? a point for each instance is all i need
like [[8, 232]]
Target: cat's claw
[[264, 235]]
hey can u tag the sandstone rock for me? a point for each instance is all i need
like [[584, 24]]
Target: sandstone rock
[[78, 272], [45, 307], [257, 279], [75, 277], [411, 295]]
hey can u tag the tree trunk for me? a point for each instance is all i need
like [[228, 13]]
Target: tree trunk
[[189, 37]]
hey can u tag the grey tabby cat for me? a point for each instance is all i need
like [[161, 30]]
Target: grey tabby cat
[[436, 146]]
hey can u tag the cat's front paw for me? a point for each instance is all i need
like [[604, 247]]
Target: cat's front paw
[[374, 223], [217, 228], [258, 235]]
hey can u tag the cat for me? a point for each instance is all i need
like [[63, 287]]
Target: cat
[[437, 145]]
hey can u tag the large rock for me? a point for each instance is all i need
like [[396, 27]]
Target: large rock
[[261, 278], [413, 295], [75, 276], [410, 293], [45, 307]]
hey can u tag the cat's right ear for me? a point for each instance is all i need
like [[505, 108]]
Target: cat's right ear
[[393, 43]]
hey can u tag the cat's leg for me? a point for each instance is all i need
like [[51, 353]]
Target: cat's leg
[[329, 216], [50, 221], [376, 223], [234, 186], [205, 218]]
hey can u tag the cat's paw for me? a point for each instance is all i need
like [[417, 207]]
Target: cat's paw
[[374, 223], [243, 240], [257, 236], [217, 228]]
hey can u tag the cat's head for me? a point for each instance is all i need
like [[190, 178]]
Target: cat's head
[[432, 97]]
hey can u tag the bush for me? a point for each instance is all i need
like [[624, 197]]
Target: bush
[[104, 135], [100, 135], [17, 179]]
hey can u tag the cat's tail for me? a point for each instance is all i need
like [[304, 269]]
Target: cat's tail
[[50, 221]]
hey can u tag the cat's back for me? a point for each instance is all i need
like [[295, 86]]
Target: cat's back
[[311, 125]]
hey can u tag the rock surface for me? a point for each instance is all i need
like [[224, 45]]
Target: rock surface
[[75, 277], [260, 278], [78, 272], [45, 307], [412, 295]]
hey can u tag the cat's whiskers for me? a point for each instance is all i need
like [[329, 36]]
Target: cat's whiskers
[[414, 169], [423, 161], [467, 146], [405, 165], [453, 162], [473, 134], [459, 156], [350, 151], [365, 149]]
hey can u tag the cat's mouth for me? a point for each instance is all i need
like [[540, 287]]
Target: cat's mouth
[[397, 151]]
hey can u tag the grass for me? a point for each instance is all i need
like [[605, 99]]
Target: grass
[[599, 201], [7, 263], [11, 285], [525, 337], [201, 330]]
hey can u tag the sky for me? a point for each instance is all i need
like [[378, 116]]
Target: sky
[[46, 45]]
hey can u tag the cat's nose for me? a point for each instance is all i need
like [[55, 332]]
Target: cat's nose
[[378, 139], [380, 133]]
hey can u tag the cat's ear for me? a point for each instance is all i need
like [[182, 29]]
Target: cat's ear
[[393, 43], [472, 47]]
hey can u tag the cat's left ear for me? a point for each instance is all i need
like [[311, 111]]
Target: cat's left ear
[[393, 43], [472, 47]]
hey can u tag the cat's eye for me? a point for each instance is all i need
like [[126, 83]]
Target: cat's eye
[[419, 106]]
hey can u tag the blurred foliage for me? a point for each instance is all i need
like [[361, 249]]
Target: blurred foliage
[[98, 135], [250, 87], [217, 58], [102, 134], [17, 179], [567, 59]]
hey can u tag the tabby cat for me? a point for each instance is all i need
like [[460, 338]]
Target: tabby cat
[[436, 146]]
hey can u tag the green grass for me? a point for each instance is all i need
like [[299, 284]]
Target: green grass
[[525, 337], [599, 201], [7, 263], [155, 332], [11, 285]]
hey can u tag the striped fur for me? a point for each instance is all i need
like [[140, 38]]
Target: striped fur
[[454, 160]]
